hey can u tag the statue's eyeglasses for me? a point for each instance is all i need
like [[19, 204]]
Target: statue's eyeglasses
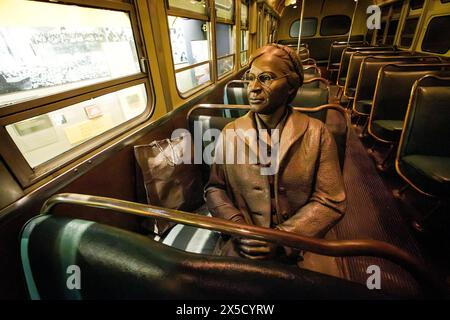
[[264, 78]]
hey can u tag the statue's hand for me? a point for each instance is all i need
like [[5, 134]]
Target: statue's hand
[[256, 249]]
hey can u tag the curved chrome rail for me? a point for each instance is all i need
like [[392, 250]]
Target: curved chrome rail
[[335, 248]]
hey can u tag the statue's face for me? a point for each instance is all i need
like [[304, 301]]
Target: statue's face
[[268, 89]]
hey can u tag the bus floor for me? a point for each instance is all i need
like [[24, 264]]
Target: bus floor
[[374, 213]]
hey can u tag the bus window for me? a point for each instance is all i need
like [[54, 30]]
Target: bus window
[[225, 10], [225, 48], [309, 27], [197, 6], [77, 47], [392, 29], [47, 136], [244, 47], [435, 39], [335, 25], [225, 36], [190, 44], [408, 32], [416, 4], [244, 14], [244, 33], [66, 80]]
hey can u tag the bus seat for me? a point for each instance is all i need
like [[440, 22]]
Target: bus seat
[[311, 94], [192, 239], [235, 92], [210, 114], [312, 70], [345, 59], [424, 151], [312, 97], [336, 49], [303, 53], [391, 98], [198, 240], [367, 78], [72, 259], [354, 67]]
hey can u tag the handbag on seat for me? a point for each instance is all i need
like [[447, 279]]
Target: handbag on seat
[[169, 180]]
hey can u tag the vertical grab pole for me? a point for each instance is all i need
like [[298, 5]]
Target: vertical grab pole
[[353, 20], [300, 26]]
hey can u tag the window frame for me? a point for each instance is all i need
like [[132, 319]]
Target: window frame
[[334, 35], [388, 28], [309, 18], [412, 17], [206, 19], [186, 13], [244, 28], [245, 3], [226, 21], [415, 8], [386, 11], [14, 113], [233, 32]]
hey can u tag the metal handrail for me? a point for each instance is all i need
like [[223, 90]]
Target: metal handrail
[[320, 79], [309, 62], [333, 106], [335, 248], [312, 66]]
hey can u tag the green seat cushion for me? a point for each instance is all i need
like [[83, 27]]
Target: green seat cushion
[[363, 106], [430, 173], [389, 130], [436, 168], [342, 81]]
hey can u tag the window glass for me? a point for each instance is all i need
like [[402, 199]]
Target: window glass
[[408, 32], [225, 9], [393, 25], [369, 35], [335, 25], [244, 15], [397, 8], [309, 27], [380, 33], [78, 46], [197, 6], [244, 47], [416, 4], [192, 78], [436, 38], [47, 136], [190, 46], [225, 48], [225, 65]]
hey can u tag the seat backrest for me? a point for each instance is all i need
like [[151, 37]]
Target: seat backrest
[[117, 264], [345, 59], [394, 86], [216, 116], [311, 97], [336, 50], [235, 92], [354, 67], [310, 75], [367, 79], [427, 129], [312, 70], [303, 53]]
